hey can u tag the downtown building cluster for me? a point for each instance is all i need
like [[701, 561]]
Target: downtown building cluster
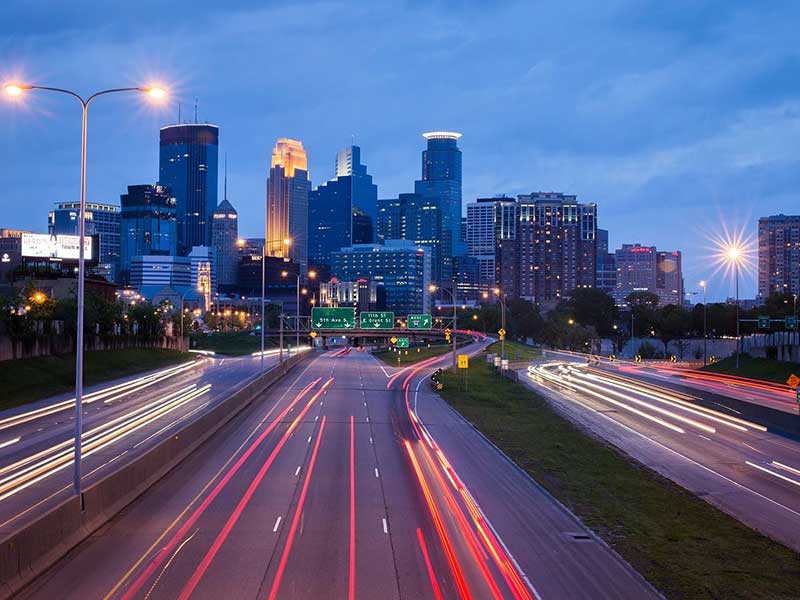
[[347, 246]]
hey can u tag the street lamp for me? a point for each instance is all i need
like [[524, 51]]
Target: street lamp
[[16, 90], [704, 285], [432, 289], [501, 297], [734, 256], [311, 275], [286, 242]]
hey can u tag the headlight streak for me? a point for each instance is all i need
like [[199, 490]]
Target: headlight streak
[[786, 467], [773, 473], [652, 392], [561, 381], [95, 440], [127, 387]]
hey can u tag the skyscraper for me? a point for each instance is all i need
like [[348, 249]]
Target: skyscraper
[[778, 255], [606, 264], [341, 211], [441, 182], [288, 186], [188, 165], [416, 219], [485, 218], [102, 220], [224, 234], [148, 225], [645, 269]]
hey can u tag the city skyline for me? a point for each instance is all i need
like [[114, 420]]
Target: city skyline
[[714, 149]]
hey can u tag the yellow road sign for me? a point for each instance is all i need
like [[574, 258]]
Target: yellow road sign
[[313, 334], [502, 332], [393, 339], [793, 381], [447, 331], [463, 361]]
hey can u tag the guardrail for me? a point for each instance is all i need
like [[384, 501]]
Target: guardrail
[[27, 552]]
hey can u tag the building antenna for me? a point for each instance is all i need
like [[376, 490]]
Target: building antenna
[[353, 138], [195, 110], [225, 187]]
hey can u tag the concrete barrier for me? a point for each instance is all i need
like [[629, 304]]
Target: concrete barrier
[[31, 550]]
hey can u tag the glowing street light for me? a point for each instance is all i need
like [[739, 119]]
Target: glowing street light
[[704, 285], [16, 90]]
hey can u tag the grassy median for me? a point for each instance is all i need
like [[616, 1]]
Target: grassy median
[[757, 368], [684, 546], [31, 379]]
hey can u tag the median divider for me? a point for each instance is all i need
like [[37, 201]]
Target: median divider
[[29, 551]]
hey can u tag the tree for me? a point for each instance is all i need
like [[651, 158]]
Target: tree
[[591, 307], [672, 323], [779, 304]]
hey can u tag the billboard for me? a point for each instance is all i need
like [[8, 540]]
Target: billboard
[[55, 247]]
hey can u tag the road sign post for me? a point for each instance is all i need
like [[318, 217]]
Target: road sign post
[[463, 367], [333, 318], [420, 321], [763, 322], [376, 320]]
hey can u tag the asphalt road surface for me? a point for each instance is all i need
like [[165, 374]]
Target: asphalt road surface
[[739, 466], [348, 480], [120, 419]]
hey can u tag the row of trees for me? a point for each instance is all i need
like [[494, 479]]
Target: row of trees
[[588, 314]]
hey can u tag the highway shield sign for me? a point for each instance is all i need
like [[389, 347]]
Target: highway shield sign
[[333, 318], [376, 320], [420, 321]]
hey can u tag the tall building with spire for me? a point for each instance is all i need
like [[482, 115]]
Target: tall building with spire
[[441, 183], [224, 234], [288, 186], [188, 167], [341, 212]]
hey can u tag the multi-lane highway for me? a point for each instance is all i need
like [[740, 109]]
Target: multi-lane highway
[[348, 479], [120, 420], [736, 464]]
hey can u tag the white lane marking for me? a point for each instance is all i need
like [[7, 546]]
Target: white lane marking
[[385, 526], [773, 473], [9, 442], [297, 471], [370, 440], [309, 439], [316, 418], [365, 403], [704, 437], [376, 472], [277, 524], [367, 419]]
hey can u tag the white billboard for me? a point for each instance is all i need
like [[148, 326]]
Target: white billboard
[[55, 247]]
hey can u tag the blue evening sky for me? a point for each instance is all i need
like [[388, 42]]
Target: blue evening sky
[[676, 118]]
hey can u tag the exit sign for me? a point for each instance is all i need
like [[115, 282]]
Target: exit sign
[[420, 321], [333, 318], [376, 320]]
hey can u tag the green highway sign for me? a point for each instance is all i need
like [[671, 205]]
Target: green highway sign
[[763, 322], [402, 342], [791, 323], [376, 320], [420, 321], [333, 318]]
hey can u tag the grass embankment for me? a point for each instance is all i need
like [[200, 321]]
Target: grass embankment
[[684, 546], [757, 368], [516, 351], [31, 379], [235, 343], [415, 354]]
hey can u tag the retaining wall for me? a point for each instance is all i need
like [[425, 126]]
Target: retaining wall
[[28, 552]]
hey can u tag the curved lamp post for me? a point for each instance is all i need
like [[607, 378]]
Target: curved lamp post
[[16, 90]]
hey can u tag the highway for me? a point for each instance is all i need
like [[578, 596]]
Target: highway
[[737, 465], [120, 419], [349, 479]]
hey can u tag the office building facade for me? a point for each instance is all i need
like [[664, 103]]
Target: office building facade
[[646, 269], [224, 237], [102, 220], [778, 255], [606, 264], [288, 187], [150, 274], [341, 212], [441, 184], [488, 221], [148, 225], [188, 167], [402, 267]]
